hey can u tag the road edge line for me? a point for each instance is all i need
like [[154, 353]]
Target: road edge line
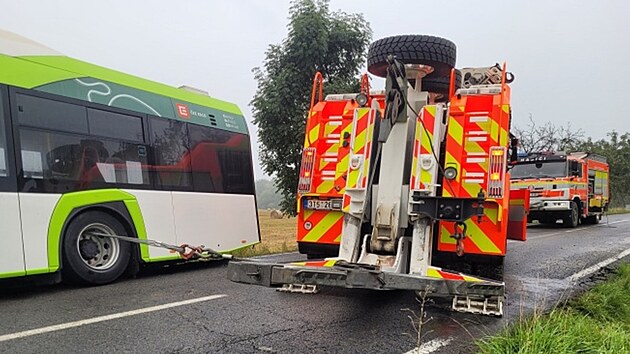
[[592, 269]]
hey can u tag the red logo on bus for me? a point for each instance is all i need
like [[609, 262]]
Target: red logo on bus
[[182, 110]]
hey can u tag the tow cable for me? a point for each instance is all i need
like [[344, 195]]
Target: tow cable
[[186, 251]]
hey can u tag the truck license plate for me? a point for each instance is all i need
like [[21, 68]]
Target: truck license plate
[[317, 204]]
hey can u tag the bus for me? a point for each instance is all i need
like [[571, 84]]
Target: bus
[[86, 150]]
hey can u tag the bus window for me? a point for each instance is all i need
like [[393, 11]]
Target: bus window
[[169, 142], [55, 162], [114, 125], [48, 114], [221, 161]]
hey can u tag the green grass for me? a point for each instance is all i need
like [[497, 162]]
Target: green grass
[[596, 322], [613, 211], [277, 236]]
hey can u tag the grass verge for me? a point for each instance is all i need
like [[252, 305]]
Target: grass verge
[[277, 236], [596, 322], [613, 211]]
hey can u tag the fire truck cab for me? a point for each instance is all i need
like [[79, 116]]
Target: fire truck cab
[[571, 187], [408, 188]]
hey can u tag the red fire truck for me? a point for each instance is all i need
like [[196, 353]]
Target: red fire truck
[[571, 187]]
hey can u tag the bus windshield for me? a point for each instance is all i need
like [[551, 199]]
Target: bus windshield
[[546, 169]]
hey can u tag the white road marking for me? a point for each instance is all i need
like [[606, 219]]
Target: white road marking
[[114, 316], [430, 346], [590, 270]]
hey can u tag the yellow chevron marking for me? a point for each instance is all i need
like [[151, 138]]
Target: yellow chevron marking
[[474, 234], [473, 146], [503, 138], [307, 213], [506, 108], [492, 214], [312, 113], [471, 188], [471, 279], [445, 236], [313, 134], [494, 131], [480, 239], [332, 149], [325, 186], [330, 262], [433, 273], [322, 226], [455, 130], [329, 129]]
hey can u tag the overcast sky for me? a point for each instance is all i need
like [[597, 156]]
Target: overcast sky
[[571, 59]]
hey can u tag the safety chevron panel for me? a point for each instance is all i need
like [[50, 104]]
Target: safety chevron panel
[[323, 226], [426, 147], [321, 263], [328, 127], [360, 156], [477, 130], [435, 272]]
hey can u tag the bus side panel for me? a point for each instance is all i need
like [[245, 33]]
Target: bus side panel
[[223, 222], [157, 211], [11, 252], [36, 210]]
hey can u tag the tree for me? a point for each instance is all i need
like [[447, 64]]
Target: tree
[[548, 137], [318, 40]]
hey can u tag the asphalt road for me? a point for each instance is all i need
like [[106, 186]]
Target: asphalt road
[[146, 314]]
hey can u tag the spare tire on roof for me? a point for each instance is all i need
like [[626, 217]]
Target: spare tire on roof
[[436, 52]]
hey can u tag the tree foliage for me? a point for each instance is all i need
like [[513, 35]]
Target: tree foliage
[[548, 137], [333, 43]]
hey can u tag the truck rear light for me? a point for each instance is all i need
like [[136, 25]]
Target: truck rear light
[[496, 171], [306, 170]]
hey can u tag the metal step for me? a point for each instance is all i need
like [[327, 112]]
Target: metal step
[[490, 306], [298, 288]]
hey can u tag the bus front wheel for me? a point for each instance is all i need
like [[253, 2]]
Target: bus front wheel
[[92, 259]]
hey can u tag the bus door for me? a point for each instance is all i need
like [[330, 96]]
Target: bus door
[[11, 247]]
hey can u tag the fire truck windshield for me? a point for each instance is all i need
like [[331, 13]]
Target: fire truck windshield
[[547, 169]]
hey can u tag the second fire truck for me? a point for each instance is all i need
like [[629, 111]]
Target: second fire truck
[[571, 187]]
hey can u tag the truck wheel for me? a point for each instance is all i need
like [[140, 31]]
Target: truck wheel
[[572, 218], [591, 220], [90, 259], [436, 52]]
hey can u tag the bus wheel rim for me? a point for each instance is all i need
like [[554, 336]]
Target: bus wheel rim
[[107, 249]]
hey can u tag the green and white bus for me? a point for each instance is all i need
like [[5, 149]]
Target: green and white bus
[[85, 149]]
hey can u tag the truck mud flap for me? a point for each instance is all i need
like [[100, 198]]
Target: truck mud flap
[[358, 276]]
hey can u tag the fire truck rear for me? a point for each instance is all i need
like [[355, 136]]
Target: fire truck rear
[[571, 187], [409, 187]]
